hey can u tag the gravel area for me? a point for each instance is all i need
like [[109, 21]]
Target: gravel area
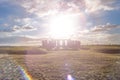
[[9, 70]]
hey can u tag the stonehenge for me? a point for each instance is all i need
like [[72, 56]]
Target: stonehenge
[[60, 44]]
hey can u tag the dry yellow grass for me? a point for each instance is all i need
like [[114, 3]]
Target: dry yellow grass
[[86, 64]]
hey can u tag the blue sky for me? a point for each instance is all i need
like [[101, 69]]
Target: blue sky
[[26, 22]]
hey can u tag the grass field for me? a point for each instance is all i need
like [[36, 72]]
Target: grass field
[[88, 63]]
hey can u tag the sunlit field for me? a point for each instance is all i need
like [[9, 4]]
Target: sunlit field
[[88, 63]]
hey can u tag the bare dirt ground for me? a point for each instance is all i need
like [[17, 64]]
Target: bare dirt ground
[[89, 63]]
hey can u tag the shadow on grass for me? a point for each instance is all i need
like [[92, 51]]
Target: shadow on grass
[[109, 51], [24, 52]]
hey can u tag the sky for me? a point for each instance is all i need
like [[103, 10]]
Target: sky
[[25, 22]]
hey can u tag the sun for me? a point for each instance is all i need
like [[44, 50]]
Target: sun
[[62, 26]]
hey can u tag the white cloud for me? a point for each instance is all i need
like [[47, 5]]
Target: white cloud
[[46, 7], [99, 38], [105, 27], [93, 6], [91, 38], [39, 7], [17, 20], [50, 7], [100, 35], [99, 28], [23, 28], [5, 25]]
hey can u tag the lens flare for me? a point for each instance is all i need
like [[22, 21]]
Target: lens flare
[[25, 74], [69, 77]]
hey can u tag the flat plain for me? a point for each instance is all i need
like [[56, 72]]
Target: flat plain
[[88, 63]]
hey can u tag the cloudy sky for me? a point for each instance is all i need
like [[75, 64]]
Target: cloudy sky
[[27, 21]]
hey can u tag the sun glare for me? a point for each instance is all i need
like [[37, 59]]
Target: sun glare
[[62, 26]]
